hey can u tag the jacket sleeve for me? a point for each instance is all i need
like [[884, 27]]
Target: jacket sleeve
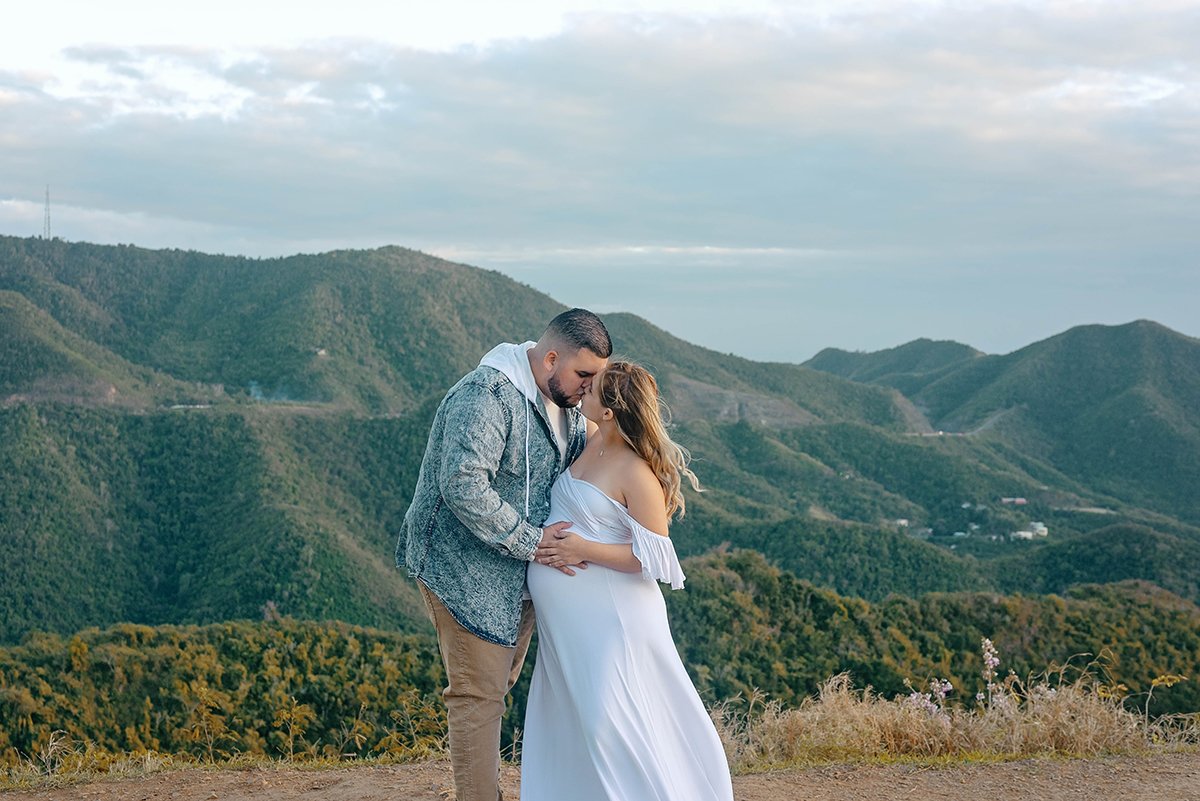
[[473, 444]]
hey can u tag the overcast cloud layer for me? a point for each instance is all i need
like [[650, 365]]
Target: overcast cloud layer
[[851, 175]]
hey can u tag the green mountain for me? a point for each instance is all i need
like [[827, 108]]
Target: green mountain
[[277, 470], [1112, 407], [907, 367], [269, 418], [701, 384], [42, 361], [374, 331]]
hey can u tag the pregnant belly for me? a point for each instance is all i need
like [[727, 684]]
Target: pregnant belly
[[548, 585], [593, 600]]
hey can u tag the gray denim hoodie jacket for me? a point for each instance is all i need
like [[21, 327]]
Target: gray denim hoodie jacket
[[483, 493]]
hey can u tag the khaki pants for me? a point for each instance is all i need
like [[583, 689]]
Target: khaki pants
[[479, 675]]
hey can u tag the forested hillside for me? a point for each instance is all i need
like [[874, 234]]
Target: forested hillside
[[202, 515], [192, 439], [193, 516], [372, 332], [1114, 407], [908, 367], [284, 687]]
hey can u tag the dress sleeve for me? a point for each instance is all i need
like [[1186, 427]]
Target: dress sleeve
[[657, 555]]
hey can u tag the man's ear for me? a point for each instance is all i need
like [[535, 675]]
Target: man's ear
[[550, 359]]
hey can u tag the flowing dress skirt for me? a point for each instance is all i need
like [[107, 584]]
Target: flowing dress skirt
[[612, 714]]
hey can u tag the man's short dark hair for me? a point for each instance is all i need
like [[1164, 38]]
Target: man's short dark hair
[[580, 328]]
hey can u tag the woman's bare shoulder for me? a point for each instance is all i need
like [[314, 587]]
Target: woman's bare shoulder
[[644, 496]]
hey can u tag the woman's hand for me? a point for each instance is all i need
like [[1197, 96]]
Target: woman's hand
[[566, 549]]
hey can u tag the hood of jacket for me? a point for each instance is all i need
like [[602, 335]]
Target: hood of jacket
[[513, 361]]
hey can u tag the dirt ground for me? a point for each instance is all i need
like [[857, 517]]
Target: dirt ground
[[1170, 777]]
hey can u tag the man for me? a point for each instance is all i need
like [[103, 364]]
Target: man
[[500, 438]]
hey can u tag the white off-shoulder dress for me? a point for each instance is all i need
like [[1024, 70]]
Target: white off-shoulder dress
[[612, 714]]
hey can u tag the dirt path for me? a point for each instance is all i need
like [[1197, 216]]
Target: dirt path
[[1173, 777]]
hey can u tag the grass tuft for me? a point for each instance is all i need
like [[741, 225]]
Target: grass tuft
[[1068, 711]]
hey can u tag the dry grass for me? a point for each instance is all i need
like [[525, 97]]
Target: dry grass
[[1047, 716], [62, 763]]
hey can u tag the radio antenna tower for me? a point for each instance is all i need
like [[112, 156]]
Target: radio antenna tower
[[46, 225]]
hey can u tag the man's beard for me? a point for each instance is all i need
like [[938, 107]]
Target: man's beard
[[560, 398]]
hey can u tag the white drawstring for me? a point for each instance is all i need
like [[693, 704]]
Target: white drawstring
[[527, 461]]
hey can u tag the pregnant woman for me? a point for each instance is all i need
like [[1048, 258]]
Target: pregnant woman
[[612, 714]]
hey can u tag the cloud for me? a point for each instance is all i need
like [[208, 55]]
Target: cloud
[[936, 141], [622, 130]]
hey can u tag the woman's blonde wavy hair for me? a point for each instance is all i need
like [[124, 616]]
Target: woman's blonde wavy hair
[[641, 416]]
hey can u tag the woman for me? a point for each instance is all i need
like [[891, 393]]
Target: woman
[[612, 714]]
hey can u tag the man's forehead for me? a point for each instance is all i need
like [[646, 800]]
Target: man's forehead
[[585, 361]]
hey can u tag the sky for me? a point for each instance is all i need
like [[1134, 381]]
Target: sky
[[763, 178]]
